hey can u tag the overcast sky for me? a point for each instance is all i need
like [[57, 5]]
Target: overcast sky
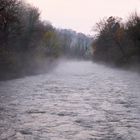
[[81, 15]]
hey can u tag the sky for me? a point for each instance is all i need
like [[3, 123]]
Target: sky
[[82, 15]]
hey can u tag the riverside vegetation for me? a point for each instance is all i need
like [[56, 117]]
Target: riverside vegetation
[[29, 45], [118, 43]]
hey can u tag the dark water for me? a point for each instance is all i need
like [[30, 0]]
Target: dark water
[[76, 101]]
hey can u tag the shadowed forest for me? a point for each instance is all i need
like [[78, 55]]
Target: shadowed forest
[[29, 45], [118, 43]]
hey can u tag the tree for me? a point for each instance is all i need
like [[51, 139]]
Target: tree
[[133, 29], [51, 43], [30, 24], [109, 39], [9, 10]]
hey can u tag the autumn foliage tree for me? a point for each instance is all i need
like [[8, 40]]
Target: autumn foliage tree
[[109, 39], [117, 42]]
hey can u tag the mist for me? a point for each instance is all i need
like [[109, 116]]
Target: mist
[[30, 45], [61, 84]]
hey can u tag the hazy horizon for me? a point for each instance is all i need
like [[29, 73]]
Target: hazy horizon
[[81, 16]]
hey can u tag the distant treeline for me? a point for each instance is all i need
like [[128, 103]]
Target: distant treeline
[[27, 43], [118, 43]]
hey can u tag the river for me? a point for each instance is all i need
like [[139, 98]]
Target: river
[[78, 100]]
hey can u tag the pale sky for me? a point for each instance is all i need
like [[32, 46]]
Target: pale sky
[[81, 15]]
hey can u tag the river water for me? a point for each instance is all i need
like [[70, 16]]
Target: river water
[[76, 101]]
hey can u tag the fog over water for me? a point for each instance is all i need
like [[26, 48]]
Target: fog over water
[[78, 100], [50, 86]]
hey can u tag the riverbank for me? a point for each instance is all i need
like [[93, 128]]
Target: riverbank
[[29, 69], [132, 67]]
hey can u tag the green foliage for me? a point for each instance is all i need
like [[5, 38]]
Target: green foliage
[[51, 42]]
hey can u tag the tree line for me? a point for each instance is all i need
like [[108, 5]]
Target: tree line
[[116, 42], [27, 43]]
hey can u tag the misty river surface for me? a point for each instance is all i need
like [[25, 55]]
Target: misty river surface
[[75, 101]]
